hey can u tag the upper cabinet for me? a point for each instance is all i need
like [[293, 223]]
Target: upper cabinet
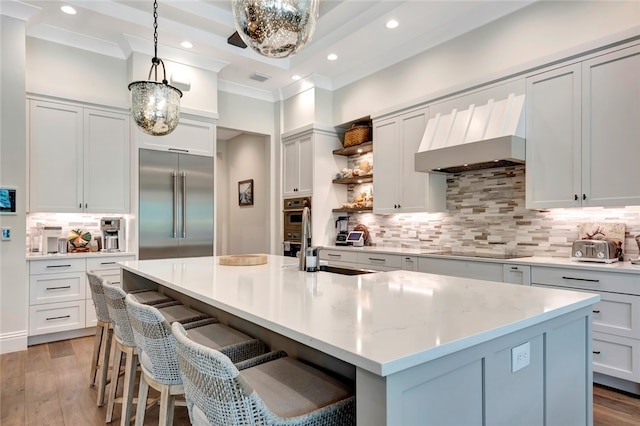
[[191, 136], [583, 133], [78, 159], [297, 160], [398, 188]]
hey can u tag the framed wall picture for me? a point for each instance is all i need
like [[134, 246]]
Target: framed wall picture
[[245, 192]]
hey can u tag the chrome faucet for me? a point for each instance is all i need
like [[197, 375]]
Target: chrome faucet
[[305, 238]]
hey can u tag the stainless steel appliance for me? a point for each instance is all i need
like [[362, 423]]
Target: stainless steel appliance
[[292, 224], [50, 235], [113, 236], [604, 251], [175, 205], [342, 225]]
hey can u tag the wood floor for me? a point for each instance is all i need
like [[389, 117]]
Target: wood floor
[[48, 385]]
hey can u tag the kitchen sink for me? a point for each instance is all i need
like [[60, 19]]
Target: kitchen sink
[[345, 271]]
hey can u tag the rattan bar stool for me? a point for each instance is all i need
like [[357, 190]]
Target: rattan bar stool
[[158, 358], [280, 391]]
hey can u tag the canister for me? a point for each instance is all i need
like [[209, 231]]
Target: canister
[[62, 245]]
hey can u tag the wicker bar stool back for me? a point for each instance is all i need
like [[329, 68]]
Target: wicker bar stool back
[[102, 342], [277, 392], [125, 346]]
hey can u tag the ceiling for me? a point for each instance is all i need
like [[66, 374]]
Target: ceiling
[[352, 29]]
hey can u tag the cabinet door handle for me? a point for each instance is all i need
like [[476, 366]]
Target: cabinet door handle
[[178, 150], [80, 205], [581, 279], [59, 266], [334, 255], [86, 206], [596, 312], [62, 317], [174, 230], [107, 263], [184, 204], [376, 259], [515, 268], [58, 288], [408, 259], [575, 197], [596, 352], [584, 196]]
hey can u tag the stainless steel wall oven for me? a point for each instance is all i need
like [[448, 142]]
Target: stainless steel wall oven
[[292, 224]]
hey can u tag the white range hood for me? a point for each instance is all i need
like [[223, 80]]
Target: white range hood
[[479, 137]]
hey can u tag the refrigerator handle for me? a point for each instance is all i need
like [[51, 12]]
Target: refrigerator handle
[[175, 203], [184, 204]]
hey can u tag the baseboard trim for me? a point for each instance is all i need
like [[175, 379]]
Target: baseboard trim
[[61, 335], [13, 342], [616, 383]]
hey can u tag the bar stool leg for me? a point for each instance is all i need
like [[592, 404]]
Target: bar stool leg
[[96, 355], [105, 351], [143, 392], [129, 382], [167, 403], [115, 373]]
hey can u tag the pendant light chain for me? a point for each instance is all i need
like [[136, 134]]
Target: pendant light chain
[[155, 29]]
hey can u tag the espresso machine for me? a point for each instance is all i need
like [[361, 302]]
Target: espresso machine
[[50, 235], [113, 237]]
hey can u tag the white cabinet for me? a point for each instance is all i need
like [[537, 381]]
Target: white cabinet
[[409, 263], [490, 271], [582, 133], [59, 294], [78, 159], [398, 188], [616, 317], [516, 274], [190, 136], [379, 261], [297, 161]]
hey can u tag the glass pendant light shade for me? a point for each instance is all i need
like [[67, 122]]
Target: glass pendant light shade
[[155, 106], [276, 28]]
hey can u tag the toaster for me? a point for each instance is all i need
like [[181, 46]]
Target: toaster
[[605, 251]]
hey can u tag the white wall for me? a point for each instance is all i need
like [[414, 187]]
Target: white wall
[[248, 227], [514, 42], [14, 301], [221, 194]]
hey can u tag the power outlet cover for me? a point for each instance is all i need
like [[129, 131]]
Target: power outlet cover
[[520, 356]]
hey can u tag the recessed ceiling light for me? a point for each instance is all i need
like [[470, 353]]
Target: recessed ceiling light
[[186, 44], [68, 10], [391, 24], [332, 57], [295, 77]]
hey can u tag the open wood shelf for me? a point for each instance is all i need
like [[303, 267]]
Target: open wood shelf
[[355, 180], [356, 149], [354, 210]]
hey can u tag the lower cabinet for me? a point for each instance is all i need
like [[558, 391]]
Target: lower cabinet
[[59, 294], [369, 260], [616, 317], [490, 271], [516, 274]]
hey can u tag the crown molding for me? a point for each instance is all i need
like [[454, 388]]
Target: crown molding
[[242, 90], [17, 10]]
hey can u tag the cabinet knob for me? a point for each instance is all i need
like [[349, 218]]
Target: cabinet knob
[[584, 196], [86, 206], [575, 197], [80, 205]]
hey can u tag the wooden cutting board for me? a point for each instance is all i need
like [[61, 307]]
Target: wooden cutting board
[[243, 260]]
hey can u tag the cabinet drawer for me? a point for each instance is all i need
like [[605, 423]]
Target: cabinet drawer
[[616, 356], [587, 280], [373, 260], [53, 266], [461, 268], [54, 317], [617, 314], [106, 263], [516, 274], [410, 263], [338, 255], [56, 288], [91, 319]]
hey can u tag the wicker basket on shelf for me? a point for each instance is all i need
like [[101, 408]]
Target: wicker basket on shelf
[[356, 135]]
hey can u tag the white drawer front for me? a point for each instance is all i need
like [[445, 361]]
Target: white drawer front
[[55, 317], [616, 356], [479, 270], [410, 263], [106, 262], [617, 314], [587, 280], [56, 288], [54, 266], [91, 319], [516, 274], [338, 256], [379, 260]]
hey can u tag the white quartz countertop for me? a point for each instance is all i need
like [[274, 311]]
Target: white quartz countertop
[[383, 322], [40, 256], [624, 267]]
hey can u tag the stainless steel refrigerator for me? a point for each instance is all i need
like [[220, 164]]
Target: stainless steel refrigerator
[[175, 205]]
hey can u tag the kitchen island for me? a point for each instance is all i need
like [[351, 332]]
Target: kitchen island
[[422, 348]]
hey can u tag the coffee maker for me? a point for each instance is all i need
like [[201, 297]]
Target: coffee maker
[[113, 238], [342, 225]]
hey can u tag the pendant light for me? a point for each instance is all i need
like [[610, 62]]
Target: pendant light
[[155, 106], [275, 28]]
